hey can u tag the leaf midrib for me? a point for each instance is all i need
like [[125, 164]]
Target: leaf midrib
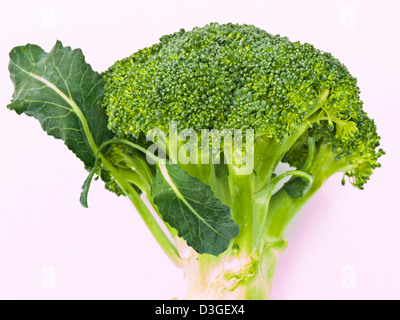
[[70, 102], [167, 178]]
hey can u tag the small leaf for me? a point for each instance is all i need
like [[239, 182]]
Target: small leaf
[[190, 207], [85, 188], [297, 187]]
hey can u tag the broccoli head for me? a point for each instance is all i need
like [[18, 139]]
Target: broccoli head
[[241, 77]]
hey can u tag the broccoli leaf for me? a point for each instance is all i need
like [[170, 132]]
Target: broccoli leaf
[[190, 207], [63, 92], [297, 187], [85, 188]]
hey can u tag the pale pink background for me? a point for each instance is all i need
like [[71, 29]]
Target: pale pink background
[[52, 248]]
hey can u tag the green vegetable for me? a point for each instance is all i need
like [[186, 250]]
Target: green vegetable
[[224, 204]]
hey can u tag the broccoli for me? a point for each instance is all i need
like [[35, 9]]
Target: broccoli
[[193, 128]]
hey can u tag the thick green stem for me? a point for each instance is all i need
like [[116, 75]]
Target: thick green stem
[[241, 188]]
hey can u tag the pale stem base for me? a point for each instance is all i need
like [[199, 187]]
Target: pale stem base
[[231, 276]]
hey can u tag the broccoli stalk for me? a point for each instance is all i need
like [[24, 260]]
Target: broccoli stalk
[[246, 268], [223, 223]]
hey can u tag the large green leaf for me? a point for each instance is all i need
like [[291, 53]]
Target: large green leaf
[[63, 92], [190, 207]]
